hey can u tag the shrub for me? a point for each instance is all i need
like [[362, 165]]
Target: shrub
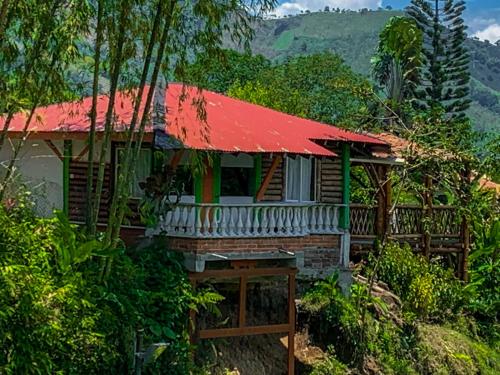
[[484, 285], [48, 320], [347, 323], [56, 317], [427, 290]]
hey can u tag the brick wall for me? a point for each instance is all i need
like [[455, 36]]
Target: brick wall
[[321, 252], [203, 245], [321, 259]]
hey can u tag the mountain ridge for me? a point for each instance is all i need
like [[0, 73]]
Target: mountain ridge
[[354, 36]]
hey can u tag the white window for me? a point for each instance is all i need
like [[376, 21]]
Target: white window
[[299, 179], [142, 170]]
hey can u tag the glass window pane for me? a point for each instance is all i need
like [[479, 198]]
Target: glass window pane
[[305, 179], [299, 179], [293, 179], [141, 172]]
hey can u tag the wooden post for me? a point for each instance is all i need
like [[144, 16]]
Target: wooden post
[[388, 200], [192, 317], [381, 202], [243, 302], [257, 175], [216, 178], [346, 186], [465, 234], [198, 188], [427, 215], [291, 322]]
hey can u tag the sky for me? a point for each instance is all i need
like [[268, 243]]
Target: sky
[[482, 16]]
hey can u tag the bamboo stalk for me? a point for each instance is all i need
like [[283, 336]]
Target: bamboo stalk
[[108, 125], [120, 198], [90, 218]]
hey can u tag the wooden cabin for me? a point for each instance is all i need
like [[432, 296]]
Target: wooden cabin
[[273, 198], [276, 187]]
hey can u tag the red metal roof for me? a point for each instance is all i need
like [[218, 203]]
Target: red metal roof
[[230, 125]]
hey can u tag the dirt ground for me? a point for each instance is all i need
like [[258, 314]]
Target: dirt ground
[[258, 355]]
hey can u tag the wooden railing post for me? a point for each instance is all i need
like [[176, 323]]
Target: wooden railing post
[[384, 201], [427, 216], [291, 322], [381, 208]]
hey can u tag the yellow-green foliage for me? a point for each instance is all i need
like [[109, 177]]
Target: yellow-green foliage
[[427, 290]]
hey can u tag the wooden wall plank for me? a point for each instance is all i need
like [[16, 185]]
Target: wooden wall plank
[[330, 181]]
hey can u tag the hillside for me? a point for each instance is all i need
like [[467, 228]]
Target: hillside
[[354, 36]]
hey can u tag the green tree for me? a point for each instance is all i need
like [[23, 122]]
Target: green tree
[[320, 87], [40, 40], [398, 59], [445, 77], [220, 72], [148, 42]]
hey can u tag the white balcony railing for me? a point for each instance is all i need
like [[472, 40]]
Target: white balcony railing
[[250, 220]]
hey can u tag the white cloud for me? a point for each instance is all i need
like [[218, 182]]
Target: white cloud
[[491, 33], [295, 6]]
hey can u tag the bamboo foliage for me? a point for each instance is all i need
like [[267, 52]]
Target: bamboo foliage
[[148, 41], [135, 43], [38, 42]]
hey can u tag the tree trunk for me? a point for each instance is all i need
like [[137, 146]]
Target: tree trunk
[[108, 125], [90, 218], [17, 149]]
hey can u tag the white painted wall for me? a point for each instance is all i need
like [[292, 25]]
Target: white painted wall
[[40, 170]]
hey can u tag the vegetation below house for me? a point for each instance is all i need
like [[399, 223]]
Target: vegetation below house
[[56, 317], [430, 326], [430, 329], [354, 37]]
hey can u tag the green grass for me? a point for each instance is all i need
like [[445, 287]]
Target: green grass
[[284, 41], [446, 351]]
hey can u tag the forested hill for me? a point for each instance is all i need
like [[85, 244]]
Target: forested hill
[[354, 36]]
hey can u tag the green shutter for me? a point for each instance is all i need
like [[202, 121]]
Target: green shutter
[[346, 185], [216, 178], [67, 155], [256, 179]]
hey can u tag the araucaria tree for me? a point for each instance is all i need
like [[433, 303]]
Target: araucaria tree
[[445, 75]]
